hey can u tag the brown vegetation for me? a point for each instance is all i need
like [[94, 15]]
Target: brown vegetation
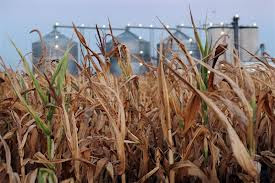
[[170, 125]]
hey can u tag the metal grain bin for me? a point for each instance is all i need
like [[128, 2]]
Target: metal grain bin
[[56, 44], [215, 36], [171, 47], [249, 39], [137, 46]]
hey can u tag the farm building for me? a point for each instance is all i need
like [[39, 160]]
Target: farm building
[[235, 36], [171, 47], [56, 45], [137, 46]]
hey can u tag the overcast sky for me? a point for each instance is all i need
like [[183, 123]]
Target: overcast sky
[[18, 17]]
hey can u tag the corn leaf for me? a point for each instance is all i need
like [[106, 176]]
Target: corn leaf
[[39, 90], [38, 120]]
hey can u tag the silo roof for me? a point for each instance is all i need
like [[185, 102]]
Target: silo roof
[[129, 35], [54, 36], [180, 35]]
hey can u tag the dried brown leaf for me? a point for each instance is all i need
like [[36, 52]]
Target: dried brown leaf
[[192, 170], [191, 111], [99, 167], [31, 177]]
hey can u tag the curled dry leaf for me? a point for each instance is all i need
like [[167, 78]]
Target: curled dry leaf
[[149, 127], [240, 152], [235, 110], [31, 177], [192, 170], [191, 111], [99, 167]]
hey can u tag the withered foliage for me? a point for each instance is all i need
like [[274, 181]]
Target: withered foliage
[[56, 127]]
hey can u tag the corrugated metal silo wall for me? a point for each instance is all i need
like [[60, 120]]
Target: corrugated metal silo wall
[[72, 66], [214, 33], [249, 39], [167, 47], [131, 43], [114, 65], [135, 46], [194, 48], [172, 47], [145, 47], [36, 52], [55, 53]]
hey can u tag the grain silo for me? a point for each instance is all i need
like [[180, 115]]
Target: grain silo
[[222, 35], [249, 40], [137, 46], [56, 45], [171, 47], [239, 37]]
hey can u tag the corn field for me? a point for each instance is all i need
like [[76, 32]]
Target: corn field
[[205, 121]]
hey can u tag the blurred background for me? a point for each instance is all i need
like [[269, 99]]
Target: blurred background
[[18, 18]]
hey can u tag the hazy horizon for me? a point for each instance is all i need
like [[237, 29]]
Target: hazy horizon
[[17, 17]]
